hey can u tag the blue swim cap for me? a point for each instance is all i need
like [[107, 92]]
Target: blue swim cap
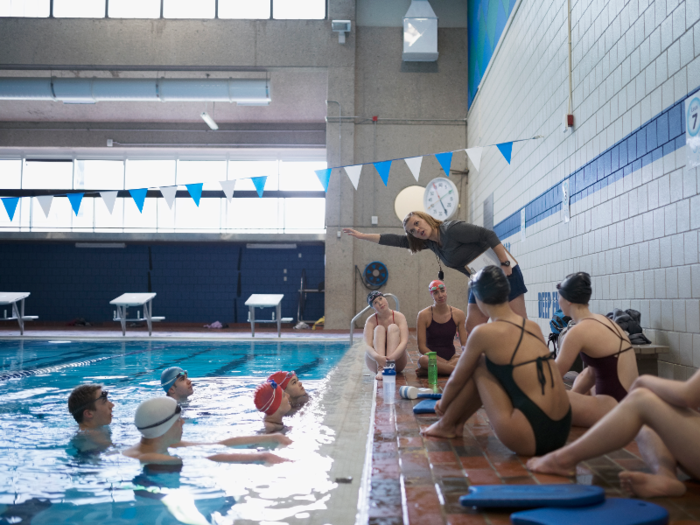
[[169, 376]]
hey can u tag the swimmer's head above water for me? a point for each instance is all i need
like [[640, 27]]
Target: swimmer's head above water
[[155, 417], [176, 383], [576, 288], [490, 285], [89, 406], [271, 399], [289, 382], [419, 226]]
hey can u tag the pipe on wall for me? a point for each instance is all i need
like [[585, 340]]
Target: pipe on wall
[[92, 90]]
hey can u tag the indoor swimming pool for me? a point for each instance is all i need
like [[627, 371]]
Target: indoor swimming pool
[[45, 480]]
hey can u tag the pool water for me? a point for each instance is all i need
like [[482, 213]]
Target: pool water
[[44, 479]]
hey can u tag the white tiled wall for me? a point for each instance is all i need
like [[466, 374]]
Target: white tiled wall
[[637, 237]]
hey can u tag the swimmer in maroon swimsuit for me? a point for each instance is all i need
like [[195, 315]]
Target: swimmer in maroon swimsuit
[[604, 347], [385, 336], [436, 327]]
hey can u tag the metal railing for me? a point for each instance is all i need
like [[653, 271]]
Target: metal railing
[[352, 323]]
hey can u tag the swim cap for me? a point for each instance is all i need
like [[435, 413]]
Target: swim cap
[[576, 288], [282, 378], [154, 417], [268, 397], [435, 284], [490, 285], [169, 376], [373, 295]]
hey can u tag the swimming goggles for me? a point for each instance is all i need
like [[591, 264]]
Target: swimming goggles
[[435, 288], [103, 395], [178, 409]]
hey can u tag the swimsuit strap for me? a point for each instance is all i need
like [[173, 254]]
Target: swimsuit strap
[[622, 339], [392, 317], [451, 316], [538, 360], [431, 313]]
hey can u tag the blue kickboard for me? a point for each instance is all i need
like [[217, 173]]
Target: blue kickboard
[[427, 406], [533, 496], [615, 511], [429, 396]]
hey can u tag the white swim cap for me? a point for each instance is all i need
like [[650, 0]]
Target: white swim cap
[[154, 417]]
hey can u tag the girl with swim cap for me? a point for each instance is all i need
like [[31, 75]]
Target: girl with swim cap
[[456, 244], [385, 336], [272, 400], [506, 368], [604, 347]]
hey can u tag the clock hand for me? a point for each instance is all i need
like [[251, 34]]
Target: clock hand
[[439, 199], [433, 204]]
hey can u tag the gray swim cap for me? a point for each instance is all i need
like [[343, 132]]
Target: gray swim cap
[[169, 376], [154, 417]]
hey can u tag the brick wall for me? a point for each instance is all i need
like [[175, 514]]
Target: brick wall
[[635, 211], [194, 282]]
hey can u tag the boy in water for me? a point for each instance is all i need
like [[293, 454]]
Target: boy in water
[[159, 422], [89, 406], [292, 387], [176, 384], [274, 403]]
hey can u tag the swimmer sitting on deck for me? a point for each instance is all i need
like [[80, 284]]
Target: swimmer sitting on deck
[[274, 403], [385, 335], [159, 422], [292, 387], [176, 384]]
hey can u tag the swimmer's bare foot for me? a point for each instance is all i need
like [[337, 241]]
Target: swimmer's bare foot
[[378, 377], [646, 485], [440, 430], [548, 464]]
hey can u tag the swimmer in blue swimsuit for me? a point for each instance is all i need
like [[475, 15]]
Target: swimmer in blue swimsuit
[[507, 369]]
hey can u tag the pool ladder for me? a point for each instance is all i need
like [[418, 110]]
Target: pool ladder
[[352, 323]]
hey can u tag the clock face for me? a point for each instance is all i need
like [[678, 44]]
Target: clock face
[[440, 198]]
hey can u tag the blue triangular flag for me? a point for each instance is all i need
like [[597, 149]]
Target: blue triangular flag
[[75, 200], [445, 160], [383, 170], [259, 184], [324, 176], [139, 197], [11, 205], [195, 191], [506, 149]]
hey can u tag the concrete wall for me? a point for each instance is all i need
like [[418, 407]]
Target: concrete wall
[[635, 212]]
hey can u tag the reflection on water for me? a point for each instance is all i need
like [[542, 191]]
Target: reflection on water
[[52, 473]]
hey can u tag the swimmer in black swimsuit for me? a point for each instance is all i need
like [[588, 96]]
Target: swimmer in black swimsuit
[[515, 380]]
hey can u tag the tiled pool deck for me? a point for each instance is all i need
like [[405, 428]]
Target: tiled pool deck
[[419, 480]]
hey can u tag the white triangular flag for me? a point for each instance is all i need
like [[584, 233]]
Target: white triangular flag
[[475, 156], [414, 165], [109, 198], [169, 194], [354, 174], [228, 186], [45, 201]]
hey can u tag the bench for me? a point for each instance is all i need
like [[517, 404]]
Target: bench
[[126, 300], [12, 298], [647, 358]]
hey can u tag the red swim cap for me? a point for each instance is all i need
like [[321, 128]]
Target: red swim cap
[[434, 284], [268, 397], [282, 378]]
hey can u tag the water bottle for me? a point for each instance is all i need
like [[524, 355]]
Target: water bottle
[[389, 385], [390, 364], [432, 371]]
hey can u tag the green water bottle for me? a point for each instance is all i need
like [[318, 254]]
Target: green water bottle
[[432, 370]]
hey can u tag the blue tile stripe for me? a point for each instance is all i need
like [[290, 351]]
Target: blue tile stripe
[[660, 136]]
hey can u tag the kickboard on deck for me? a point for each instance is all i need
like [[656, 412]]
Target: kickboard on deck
[[615, 511], [427, 406], [429, 396], [533, 496]]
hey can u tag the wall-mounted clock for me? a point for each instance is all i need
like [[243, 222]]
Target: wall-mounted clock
[[441, 199]]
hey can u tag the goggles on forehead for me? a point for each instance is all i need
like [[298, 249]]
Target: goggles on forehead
[[103, 395], [437, 287]]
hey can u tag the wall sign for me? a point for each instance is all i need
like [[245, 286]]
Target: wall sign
[[692, 129]]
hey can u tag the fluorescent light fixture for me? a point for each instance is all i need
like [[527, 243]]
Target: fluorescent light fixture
[[210, 121], [270, 246]]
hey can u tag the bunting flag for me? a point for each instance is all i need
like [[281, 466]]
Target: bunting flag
[[383, 169], [169, 193], [45, 203], [414, 165], [506, 149], [109, 198], [474, 155], [195, 192], [354, 174], [139, 197], [10, 206], [228, 186], [324, 176], [259, 183], [445, 160], [75, 200]]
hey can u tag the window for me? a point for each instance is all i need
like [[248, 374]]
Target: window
[[99, 175], [134, 9], [245, 9], [189, 9], [300, 176], [10, 174], [25, 8], [299, 9], [149, 173], [206, 171], [55, 175], [79, 8]]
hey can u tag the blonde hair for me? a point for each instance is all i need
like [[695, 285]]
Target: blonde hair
[[414, 244]]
